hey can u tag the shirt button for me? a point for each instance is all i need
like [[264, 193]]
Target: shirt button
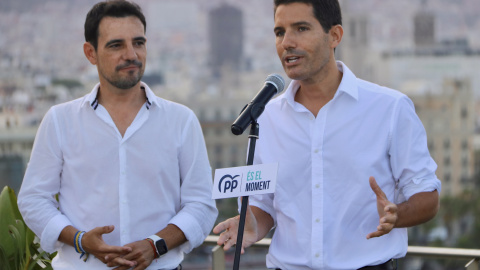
[[317, 185], [317, 255], [311, 117], [317, 220], [316, 151]]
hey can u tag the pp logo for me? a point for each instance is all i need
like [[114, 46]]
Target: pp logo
[[230, 183]]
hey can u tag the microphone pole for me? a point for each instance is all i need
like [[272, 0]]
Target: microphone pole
[[274, 84], [253, 136]]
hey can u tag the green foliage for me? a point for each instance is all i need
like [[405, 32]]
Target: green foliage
[[18, 250]]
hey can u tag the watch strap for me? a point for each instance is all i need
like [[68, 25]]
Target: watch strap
[[154, 239]]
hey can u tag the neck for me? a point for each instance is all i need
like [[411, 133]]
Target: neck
[[314, 93], [108, 95]]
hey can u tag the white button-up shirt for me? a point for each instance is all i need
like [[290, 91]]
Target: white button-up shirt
[[156, 174], [323, 206]]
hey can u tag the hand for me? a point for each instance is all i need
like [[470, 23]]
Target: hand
[[387, 211], [141, 254], [229, 229], [92, 243]]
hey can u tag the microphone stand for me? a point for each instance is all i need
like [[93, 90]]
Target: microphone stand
[[253, 136]]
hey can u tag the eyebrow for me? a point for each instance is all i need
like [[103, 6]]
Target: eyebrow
[[140, 39], [113, 41], [122, 40]]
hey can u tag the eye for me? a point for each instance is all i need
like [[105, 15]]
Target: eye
[[139, 43], [279, 33], [302, 28]]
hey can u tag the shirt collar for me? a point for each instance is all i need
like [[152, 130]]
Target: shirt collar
[[348, 85], [91, 98]]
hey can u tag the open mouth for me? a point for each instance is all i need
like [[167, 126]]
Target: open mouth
[[292, 59]]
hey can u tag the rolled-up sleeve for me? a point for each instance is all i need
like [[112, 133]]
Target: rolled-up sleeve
[[412, 166], [36, 199], [198, 211]]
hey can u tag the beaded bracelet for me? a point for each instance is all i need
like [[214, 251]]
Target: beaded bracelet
[[77, 244]]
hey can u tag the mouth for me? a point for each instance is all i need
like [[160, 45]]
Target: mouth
[[129, 66], [291, 59]]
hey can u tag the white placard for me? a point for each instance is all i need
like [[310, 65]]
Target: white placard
[[244, 181]]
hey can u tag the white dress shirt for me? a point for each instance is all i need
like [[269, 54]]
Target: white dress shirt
[[323, 206], [156, 174]]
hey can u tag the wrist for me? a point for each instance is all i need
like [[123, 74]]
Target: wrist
[[152, 244], [159, 245], [77, 244]]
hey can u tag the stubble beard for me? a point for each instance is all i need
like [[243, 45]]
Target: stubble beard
[[125, 82]]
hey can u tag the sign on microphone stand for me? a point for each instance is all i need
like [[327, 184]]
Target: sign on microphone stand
[[244, 181]]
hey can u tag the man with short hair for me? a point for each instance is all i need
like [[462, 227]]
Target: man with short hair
[[130, 169], [354, 167]]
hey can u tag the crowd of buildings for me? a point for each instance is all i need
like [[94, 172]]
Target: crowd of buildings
[[213, 56]]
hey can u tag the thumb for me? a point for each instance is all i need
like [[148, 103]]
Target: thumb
[[103, 230]]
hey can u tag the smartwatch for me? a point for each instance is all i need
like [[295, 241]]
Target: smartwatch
[[160, 245]]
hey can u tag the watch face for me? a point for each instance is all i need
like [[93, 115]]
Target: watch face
[[161, 247]]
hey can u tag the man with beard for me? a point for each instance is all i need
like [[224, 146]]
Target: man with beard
[[119, 177]]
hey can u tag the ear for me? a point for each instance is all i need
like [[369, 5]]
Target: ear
[[90, 53], [336, 34]]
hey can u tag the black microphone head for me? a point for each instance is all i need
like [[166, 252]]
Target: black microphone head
[[277, 81]]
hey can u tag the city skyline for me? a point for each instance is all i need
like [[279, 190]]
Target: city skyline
[[42, 64]]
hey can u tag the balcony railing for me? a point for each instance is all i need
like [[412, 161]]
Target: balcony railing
[[471, 255]]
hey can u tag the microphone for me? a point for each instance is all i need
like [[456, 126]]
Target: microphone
[[274, 84]]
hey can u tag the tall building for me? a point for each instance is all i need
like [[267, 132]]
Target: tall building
[[449, 120], [225, 30], [424, 27]]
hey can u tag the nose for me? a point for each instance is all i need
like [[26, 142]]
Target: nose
[[130, 53], [288, 40]]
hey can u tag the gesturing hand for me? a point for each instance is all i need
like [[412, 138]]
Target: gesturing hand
[[141, 253], [92, 243], [229, 229], [387, 211]]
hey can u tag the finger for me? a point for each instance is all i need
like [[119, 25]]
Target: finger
[[375, 187], [224, 237], [229, 243], [101, 257], [103, 229], [111, 256], [222, 226], [115, 250], [375, 234], [119, 261], [388, 219], [229, 230], [391, 208]]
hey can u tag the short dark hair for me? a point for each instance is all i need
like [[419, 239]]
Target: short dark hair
[[327, 12], [109, 8]]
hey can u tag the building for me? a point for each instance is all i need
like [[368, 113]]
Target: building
[[225, 30], [15, 148], [449, 119]]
